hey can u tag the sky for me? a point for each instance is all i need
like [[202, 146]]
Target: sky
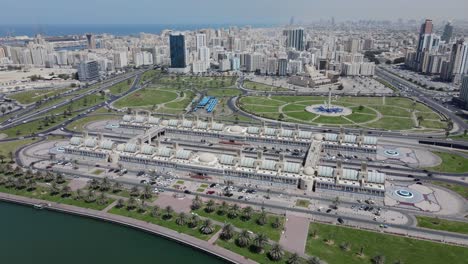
[[222, 11]]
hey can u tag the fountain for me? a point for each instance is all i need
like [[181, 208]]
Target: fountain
[[328, 109]]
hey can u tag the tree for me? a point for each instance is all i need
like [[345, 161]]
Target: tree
[[336, 202], [181, 219], [3, 110], [120, 203], [223, 208], [105, 184], [243, 239], [168, 212], [315, 260], [30, 185], [207, 227], [2, 158], [59, 179], [79, 194], [196, 203], [210, 206], [11, 155], [193, 221], [281, 116], [247, 213], [262, 218], [227, 232], [276, 252], [155, 211], [345, 246], [233, 211], [54, 189], [276, 223], [420, 118], [94, 184], [260, 242], [117, 187], [131, 203], [147, 192], [360, 107], [379, 259], [294, 259], [66, 191], [134, 191], [102, 199]]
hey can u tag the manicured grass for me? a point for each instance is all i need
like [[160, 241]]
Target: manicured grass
[[361, 118], [200, 190], [442, 224], [251, 225], [12, 146], [171, 224], [392, 123], [146, 97], [79, 125], [302, 203], [43, 194], [97, 172], [392, 247], [121, 87], [460, 189], [32, 96], [197, 82], [204, 186], [450, 163], [294, 107], [259, 108], [180, 182], [148, 75], [460, 137], [223, 92], [262, 87], [433, 124], [329, 120], [305, 116]]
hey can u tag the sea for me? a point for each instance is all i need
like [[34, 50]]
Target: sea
[[29, 235]]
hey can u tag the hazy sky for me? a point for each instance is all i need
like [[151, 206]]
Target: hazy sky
[[221, 11]]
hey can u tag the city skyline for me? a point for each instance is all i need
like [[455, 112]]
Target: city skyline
[[239, 12]]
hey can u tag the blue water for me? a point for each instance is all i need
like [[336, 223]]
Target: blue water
[[119, 30]]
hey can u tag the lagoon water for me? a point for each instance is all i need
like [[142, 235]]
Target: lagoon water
[[29, 236]]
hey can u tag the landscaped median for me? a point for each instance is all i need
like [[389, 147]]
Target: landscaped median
[[458, 188], [452, 163], [442, 224], [336, 244]]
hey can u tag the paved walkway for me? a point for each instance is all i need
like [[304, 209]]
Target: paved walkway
[[294, 237], [151, 228]]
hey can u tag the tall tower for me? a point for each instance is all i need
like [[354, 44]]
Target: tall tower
[[91, 41], [426, 43], [295, 38], [448, 32], [178, 50]]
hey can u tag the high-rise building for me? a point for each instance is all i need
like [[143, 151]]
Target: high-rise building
[[457, 60], [295, 38], [88, 71], [178, 51], [91, 41], [464, 91], [200, 41], [120, 59], [282, 67], [352, 45], [427, 42], [448, 31]]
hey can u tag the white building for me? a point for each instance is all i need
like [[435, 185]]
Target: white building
[[120, 59]]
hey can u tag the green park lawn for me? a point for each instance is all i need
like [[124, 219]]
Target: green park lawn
[[158, 220], [251, 225], [262, 87], [43, 194], [32, 96], [442, 224], [12, 146], [303, 203], [223, 92], [121, 87], [146, 98], [460, 189], [148, 75], [392, 247], [79, 125], [451, 163]]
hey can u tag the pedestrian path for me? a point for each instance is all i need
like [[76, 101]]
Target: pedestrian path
[[294, 237]]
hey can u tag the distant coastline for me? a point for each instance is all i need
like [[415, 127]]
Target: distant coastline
[[114, 29]]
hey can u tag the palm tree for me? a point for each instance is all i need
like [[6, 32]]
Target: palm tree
[[39, 176], [117, 187], [131, 203], [260, 242], [233, 211], [196, 203], [94, 184], [90, 197], [66, 191], [247, 213], [120, 203], [2, 158], [20, 183], [105, 184], [207, 227], [18, 171], [147, 192], [59, 179], [102, 199], [419, 119], [168, 212], [181, 219], [210, 206], [155, 211], [193, 221], [345, 246], [276, 252], [315, 260], [29, 174], [79, 194], [223, 208], [30, 185], [262, 218], [54, 189], [276, 223], [379, 259], [294, 259], [134, 191], [227, 232]]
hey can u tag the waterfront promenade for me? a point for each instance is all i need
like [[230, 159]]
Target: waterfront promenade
[[134, 223]]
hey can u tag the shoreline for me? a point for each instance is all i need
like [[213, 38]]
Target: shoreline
[[153, 229]]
